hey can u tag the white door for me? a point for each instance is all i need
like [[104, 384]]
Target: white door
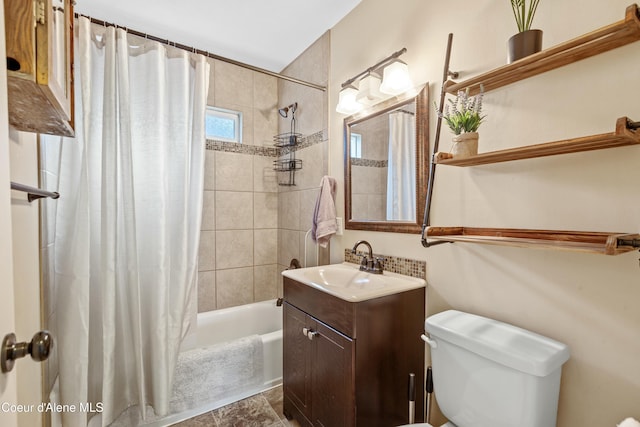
[[8, 388], [20, 389]]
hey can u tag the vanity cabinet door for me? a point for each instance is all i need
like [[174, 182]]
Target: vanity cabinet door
[[296, 376], [333, 377], [318, 375]]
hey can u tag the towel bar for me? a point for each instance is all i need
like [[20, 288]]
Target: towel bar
[[33, 193]]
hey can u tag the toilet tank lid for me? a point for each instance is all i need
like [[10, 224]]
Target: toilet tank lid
[[501, 342]]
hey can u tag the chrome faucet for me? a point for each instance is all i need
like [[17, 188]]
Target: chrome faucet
[[369, 263]]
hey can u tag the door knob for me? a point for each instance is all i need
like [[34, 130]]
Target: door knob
[[39, 349]]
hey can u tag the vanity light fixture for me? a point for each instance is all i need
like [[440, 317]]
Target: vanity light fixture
[[347, 103], [369, 92], [396, 78], [372, 89]]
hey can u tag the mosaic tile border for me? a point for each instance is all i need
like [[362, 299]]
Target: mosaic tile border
[[305, 141], [406, 266], [369, 163], [257, 150], [234, 147]]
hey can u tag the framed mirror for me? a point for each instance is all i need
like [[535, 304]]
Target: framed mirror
[[386, 164]]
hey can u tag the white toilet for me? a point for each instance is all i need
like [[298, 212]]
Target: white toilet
[[491, 374]]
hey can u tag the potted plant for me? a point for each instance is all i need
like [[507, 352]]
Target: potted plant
[[527, 41], [464, 116]]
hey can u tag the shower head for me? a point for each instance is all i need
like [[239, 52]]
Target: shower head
[[284, 112]]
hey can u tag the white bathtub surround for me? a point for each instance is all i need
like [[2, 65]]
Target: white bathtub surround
[[128, 221]]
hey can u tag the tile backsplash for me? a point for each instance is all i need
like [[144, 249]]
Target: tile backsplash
[[406, 266]]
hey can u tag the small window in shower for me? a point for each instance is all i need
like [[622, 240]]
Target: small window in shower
[[356, 146], [223, 125]]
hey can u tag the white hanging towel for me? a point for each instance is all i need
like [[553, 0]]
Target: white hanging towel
[[324, 214], [629, 422]]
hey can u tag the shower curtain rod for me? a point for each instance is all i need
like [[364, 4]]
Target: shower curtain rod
[[205, 53]]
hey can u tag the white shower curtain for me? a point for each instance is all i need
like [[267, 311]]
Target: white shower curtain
[[128, 221], [401, 171]]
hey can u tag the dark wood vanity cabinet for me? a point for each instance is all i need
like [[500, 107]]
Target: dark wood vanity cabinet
[[348, 363]]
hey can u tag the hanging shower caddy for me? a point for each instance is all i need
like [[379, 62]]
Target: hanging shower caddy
[[287, 142]]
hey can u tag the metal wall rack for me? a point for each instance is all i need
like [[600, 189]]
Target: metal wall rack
[[287, 143], [627, 132]]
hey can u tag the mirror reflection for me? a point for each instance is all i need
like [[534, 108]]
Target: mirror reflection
[[385, 164]]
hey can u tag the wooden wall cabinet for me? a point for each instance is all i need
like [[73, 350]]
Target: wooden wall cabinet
[[39, 37], [348, 364]]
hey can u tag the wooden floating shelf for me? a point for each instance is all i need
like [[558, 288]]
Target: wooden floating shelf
[[599, 41], [580, 241], [626, 133]]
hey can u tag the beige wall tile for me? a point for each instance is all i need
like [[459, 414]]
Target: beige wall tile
[[265, 282], [248, 125], [234, 210], [234, 287], [312, 165], [289, 246], [234, 249], [265, 126], [307, 207], [206, 291], [264, 177], [233, 84], [265, 246], [289, 210], [233, 171], [210, 170], [207, 251], [212, 76], [265, 92], [265, 213], [208, 211]]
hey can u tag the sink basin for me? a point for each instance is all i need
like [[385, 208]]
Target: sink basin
[[347, 282]]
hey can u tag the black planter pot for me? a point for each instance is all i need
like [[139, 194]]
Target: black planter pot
[[524, 44]]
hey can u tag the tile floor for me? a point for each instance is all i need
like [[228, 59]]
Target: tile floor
[[260, 410]]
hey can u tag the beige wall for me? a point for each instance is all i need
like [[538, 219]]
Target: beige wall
[[586, 301]]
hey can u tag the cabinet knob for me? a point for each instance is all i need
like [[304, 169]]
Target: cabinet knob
[[309, 333], [312, 334]]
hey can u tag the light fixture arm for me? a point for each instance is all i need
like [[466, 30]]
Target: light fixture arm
[[375, 67]]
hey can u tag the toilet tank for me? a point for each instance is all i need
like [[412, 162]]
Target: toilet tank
[[491, 374]]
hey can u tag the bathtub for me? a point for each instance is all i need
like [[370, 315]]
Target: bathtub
[[229, 324], [261, 318]]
